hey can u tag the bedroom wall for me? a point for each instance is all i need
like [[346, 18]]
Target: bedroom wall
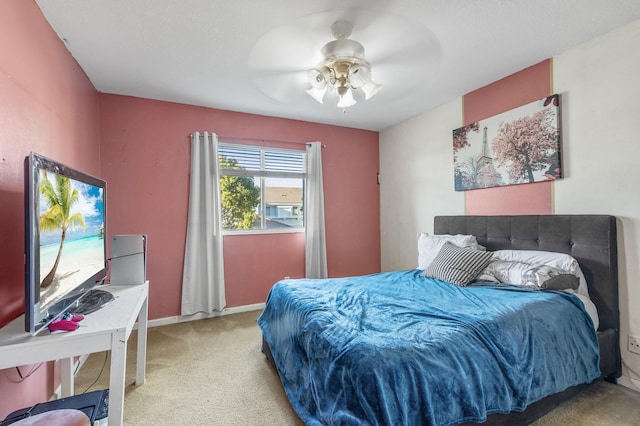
[[599, 89], [47, 105], [416, 182], [145, 159]]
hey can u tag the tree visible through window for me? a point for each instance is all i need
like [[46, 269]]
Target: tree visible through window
[[261, 188], [239, 198]]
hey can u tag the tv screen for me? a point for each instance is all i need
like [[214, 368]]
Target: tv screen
[[65, 244]]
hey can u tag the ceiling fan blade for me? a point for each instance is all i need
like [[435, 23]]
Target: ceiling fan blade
[[417, 50], [285, 48], [360, 13], [405, 58], [281, 85], [279, 61]]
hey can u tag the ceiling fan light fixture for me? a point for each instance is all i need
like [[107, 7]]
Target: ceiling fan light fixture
[[319, 77], [371, 89], [359, 75], [360, 78], [317, 93], [343, 69], [346, 97]]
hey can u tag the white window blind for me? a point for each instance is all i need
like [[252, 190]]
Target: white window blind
[[259, 161]]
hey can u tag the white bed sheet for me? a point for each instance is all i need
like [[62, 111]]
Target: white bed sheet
[[590, 308]]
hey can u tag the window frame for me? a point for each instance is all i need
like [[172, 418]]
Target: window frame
[[263, 174]]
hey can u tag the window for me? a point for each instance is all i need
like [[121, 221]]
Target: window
[[261, 188]]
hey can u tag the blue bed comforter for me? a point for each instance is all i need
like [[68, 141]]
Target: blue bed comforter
[[400, 349]]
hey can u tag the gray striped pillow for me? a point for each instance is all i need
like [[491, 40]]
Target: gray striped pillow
[[457, 265]]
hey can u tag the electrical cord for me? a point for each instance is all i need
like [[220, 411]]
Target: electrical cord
[[104, 363], [26, 376]]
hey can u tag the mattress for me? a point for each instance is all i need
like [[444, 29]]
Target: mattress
[[398, 348]]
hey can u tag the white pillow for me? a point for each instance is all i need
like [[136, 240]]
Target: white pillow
[[429, 246], [556, 260], [527, 275]]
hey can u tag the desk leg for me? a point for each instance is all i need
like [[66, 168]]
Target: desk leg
[[141, 360], [117, 377], [66, 377]]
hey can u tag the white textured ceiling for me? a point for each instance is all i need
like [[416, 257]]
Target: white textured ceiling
[[425, 52]]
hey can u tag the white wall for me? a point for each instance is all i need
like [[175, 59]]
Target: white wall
[[600, 91], [416, 182]]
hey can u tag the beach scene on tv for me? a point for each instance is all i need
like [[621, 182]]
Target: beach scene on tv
[[71, 234]]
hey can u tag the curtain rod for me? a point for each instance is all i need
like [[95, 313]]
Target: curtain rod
[[236, 138]]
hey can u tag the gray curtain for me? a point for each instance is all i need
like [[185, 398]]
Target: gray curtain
[[203, 274], [316, 245]]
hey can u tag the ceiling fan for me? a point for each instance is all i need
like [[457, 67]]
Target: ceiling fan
[[344, 69], [299, 59]]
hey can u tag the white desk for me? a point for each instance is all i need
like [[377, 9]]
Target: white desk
[[106, 329]]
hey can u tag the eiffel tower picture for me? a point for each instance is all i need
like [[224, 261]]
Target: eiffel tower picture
[[518, 146]]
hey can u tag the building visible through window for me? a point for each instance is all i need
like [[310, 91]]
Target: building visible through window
[[284, 207]]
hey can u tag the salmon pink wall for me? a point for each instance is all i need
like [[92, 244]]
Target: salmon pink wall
[[253, 264], [47, 105], [145, 160], [511, 92]]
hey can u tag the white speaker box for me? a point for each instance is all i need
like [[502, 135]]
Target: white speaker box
[[128, 259]]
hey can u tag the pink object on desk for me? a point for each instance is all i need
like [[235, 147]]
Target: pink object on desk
[[66, 322], [63, 325]]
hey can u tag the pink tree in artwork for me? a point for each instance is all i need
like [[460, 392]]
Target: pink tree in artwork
[[463, 178], [461, 137], [526, 145], [489, 176]]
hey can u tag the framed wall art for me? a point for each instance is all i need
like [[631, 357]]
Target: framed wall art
[[515, 147]]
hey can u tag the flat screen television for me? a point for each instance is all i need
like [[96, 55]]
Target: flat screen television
[[65, 238]]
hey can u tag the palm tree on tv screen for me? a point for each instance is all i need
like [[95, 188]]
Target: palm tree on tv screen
[[60, 199]]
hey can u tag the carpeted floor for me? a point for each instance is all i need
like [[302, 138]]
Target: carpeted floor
[[211, 372]]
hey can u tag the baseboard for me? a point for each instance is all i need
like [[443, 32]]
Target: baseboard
[[630, 383], [227, 311]]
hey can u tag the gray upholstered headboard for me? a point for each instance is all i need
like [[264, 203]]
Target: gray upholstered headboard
[[590, 239]]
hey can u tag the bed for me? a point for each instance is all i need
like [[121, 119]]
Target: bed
[[401, 348]]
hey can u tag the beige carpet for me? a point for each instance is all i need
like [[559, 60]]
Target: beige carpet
[[211, 372]]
